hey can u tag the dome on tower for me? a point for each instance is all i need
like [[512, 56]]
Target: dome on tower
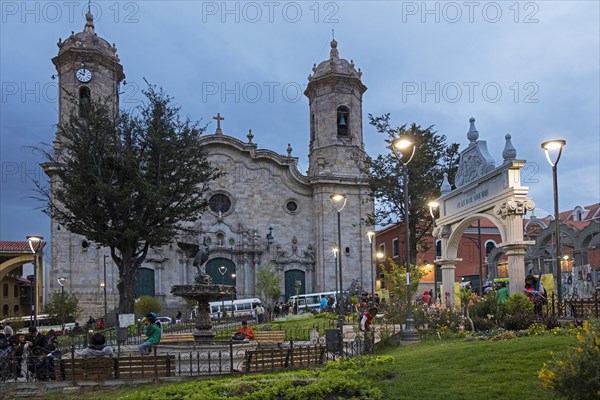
[[89, 40], [335, 65]]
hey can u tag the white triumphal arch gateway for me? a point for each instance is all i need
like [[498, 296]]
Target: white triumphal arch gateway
[[484, 190]]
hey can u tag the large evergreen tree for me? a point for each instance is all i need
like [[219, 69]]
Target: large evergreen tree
[[128, 181], [433, 157]]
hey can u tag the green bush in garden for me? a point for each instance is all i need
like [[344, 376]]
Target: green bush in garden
[[340, 379]]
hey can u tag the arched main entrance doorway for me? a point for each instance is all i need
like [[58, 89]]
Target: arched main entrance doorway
[[222, 271], [292, 278]]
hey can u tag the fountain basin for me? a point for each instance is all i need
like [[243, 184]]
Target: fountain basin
[[203, 294]]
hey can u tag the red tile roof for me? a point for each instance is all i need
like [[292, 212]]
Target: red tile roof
[[16, 247]]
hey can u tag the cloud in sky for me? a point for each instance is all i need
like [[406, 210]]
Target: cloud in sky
[[530, 69]]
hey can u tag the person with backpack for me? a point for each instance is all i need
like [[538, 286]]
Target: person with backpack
[[536, 293]]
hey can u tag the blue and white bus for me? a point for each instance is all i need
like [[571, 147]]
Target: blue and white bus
[[311, 301], [234, 308]]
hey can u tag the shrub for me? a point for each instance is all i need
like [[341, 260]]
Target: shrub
[[444, 320], [575, 373], [343, 380], [518, 303], [517, 322], [145, 304], [487, 305], [483, 324]]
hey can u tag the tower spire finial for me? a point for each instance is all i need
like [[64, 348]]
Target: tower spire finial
[[89, 20], [333, 53]]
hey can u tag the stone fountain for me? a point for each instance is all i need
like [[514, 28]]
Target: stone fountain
[[202, 291]]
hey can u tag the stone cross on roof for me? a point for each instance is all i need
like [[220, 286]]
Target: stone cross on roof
[[219, 119]]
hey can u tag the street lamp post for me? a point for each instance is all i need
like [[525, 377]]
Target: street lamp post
[[35, 244], [61, 282], [556, 147], [104, 287], [223, 270], [233, 295], [339, 202], [371, 236], [404, 147], [336, 251]]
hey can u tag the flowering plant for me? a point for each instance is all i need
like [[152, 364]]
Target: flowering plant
[[575, 373]]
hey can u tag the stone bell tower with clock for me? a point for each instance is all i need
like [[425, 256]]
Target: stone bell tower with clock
[[88, 68]]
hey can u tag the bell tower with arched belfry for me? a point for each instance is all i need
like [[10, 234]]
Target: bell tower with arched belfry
[[336, 158], [88, 69], [335, 93]]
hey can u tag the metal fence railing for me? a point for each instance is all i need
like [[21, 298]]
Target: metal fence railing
[[21, 364]]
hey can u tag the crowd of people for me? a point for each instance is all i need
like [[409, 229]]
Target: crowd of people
[[33, 352]]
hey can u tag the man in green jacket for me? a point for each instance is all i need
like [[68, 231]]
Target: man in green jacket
[[152, 332], [503, 293]]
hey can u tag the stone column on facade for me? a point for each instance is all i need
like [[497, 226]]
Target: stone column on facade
[[241, 275], [159, 286]]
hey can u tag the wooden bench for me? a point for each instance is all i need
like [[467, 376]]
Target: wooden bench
[[87, 369], [125, 367], [151, 366], [269, 337], [177, 338], [283, 358]]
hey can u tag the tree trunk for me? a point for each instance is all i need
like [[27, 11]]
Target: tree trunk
[[126, 285]]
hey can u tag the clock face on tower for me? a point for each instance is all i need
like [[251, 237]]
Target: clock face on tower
[[83, 75]]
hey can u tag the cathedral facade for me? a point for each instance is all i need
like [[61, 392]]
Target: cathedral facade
[[263, 210]]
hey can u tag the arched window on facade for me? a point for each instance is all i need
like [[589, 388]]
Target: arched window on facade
[[84, 101], [343, 115], [312, 128]]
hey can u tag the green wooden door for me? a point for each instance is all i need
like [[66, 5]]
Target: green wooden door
[[291, 277], [222, 272], [144, 282]]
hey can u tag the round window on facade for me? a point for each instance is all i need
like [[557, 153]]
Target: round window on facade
[[291, 206], [219, 203]]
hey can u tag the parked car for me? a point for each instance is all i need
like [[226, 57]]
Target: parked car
[[164, 321]]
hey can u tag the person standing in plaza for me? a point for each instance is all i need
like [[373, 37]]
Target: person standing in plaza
[[324, 303], [503, 293], [260, 313]]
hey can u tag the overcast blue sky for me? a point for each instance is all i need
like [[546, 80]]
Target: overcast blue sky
[[530, 69]]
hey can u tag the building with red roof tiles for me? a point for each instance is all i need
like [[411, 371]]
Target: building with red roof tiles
[[15, 289], [580, 245]]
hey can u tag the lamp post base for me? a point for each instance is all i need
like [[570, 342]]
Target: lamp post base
[[409, 333]]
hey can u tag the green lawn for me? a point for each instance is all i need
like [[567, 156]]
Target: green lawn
[[456, 369], [432, 369]]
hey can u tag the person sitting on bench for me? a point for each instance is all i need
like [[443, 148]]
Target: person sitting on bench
[[96, 348], [246, 331]]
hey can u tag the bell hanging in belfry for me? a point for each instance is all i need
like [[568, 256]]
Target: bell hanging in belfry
[[342, 120]]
